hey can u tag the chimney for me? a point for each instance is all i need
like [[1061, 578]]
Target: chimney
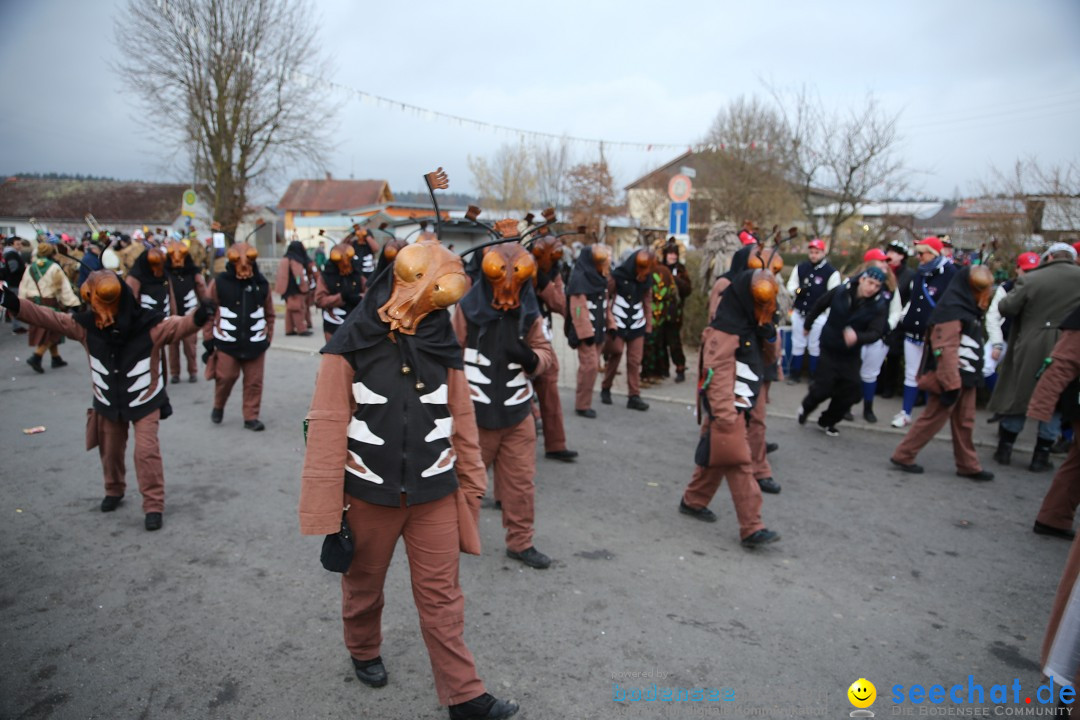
[[329, 176]]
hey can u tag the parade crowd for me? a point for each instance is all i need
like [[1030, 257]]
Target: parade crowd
[[438, 367]]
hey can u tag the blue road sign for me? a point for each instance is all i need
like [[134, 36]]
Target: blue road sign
[[679, 220]]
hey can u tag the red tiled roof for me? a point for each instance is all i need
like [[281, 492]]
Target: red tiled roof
[[333, 195], [107, 200]]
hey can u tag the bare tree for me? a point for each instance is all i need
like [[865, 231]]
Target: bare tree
[[743, 176], [234, 83], [839, 160], [509, 180], [552, 161], [593, 197]]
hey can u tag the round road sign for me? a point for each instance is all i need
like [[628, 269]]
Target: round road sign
[[679, 188]]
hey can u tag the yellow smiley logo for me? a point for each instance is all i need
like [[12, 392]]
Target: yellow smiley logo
[[862, 693]]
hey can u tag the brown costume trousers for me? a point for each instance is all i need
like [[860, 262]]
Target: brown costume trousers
[[961, 419], [745, 493], [430, 531], [112, 444], [1059, 506], [226, 374], [755, 434], [296, 318], [546, 386], [189, 354], [512, 451], [613, 350], [588, 357]]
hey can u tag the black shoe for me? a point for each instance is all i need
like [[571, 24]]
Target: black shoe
[[531, 557], [306, 333], [869, 416], [1043, 529], [255, 425], [216, 414], [680, 376], [761, 537], [704, 514], [912, 468], [370, 672], [58, 362], [605, 396], [175, 379], [771, 447], [587, 413], [849, 417], [831, 431], [981, 476], [484, 707], [153, 521], [34, 361], [1040, 460], [634, 402], [802, 416], [193, 378], [768, 485], [1003, 454], [564, 455], [111, 502]]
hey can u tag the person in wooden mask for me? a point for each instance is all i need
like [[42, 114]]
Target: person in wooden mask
[[124, 342], [339, 287], [551, 292], [499, 325], [241, 333], [730, 371], [392, 439], [586, 300], [629, 320], [951, 372], [186, 290]]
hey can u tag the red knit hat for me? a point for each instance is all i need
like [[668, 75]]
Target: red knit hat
[[746, 238], [875, 254], [930, 243], [1027, 261], [817, 243]]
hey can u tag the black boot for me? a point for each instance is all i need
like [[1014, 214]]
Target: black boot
[[58, 362], [1040, 459], [1003, 455], [34, 361], [484, 707], [868, 412]]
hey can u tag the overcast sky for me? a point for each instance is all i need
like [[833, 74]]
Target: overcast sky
[[978, 83]]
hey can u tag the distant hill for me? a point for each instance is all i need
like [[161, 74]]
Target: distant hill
[[445, 198], [59, 176]]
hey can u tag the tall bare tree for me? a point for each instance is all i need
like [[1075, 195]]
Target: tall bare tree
[[237, 84], [552, 161], [508, 181], [839, 159], [745, 177], [593, 196]]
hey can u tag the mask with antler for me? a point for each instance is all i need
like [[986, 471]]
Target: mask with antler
[[762, 259], [101, 292], [342, 256], [601, 256], [764, 288], [981, 281], [644, 264], [155, 258], [242, 256], [508, 228], [178, 253], [392, 248], [427, 277], [507, 267], [548, 250]]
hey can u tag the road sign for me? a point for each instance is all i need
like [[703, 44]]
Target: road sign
[[190, 198], [679, 220], [678, 188]]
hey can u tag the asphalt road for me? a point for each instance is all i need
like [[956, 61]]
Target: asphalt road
[[226, 612]]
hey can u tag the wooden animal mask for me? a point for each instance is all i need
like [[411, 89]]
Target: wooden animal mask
[[101, 292], [242, 256], [427, 277], [507, 267]]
